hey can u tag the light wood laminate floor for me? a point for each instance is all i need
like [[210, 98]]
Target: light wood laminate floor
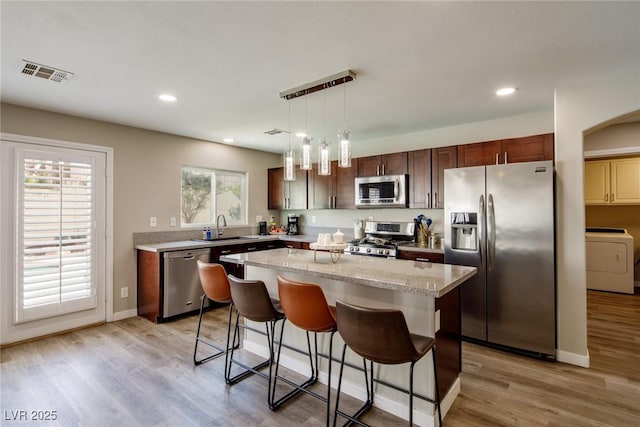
[[133, 372]]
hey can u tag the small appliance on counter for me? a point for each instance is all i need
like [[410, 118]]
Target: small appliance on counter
[[292, 224], [262, 228]]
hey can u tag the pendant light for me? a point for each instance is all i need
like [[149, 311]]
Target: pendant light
[[324, 149], [289, 157], [305, 149], [344, 156]]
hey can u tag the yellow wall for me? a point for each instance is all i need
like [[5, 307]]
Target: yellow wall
[[620, 217]]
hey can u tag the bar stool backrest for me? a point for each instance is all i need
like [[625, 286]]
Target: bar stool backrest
[[215, 284], [380, 335], [305, 305], [252, 300]]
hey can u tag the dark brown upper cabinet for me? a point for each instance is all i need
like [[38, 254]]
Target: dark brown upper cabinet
[[513, 150], [335, 191], [287, 194], [426, 176], [386, 164]]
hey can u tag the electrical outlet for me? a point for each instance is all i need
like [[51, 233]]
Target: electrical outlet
[[172, 221], [124, 292], [370, 218], [153, 221], [313, 219], [258, 218]]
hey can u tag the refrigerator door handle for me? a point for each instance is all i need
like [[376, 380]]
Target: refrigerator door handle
[[491, 231], [481, 230]]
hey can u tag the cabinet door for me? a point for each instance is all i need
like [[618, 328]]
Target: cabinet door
[[479, 154], [625, 181], [344, 186], [275, 178], [527, 149], [394, 164], [321, 188], [297, 194], [596, 182], [441, 158], [420, 179], [369, 166]]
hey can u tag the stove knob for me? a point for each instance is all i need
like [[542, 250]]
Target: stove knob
[[368, 250], [357, 249], [380, 251], [386, 251], [350, 249]]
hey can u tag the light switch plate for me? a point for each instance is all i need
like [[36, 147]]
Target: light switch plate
[[172, 221], [124, 292], [258, 218], [153, 221], [313, 219]]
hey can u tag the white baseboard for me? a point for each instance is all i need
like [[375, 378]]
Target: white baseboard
[[125, 314], [573, 358]]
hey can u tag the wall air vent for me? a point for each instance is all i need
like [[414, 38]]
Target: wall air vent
[[34, 69], [275, 131]]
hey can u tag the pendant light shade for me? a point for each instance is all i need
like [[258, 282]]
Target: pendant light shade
[[289, 165], [305, 154], [324, 158], [344, 157]]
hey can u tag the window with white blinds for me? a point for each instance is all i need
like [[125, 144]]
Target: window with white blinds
[[56, 227]]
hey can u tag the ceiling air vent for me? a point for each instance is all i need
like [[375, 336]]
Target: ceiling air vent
[[275, 131], [34, 69]]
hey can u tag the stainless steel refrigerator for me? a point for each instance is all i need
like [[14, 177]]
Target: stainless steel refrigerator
[[501, 219]]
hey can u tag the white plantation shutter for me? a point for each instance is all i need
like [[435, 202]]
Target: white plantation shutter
[[55, 234]]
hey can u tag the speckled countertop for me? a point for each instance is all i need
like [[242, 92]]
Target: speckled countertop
[[399, 275], [184, 245]]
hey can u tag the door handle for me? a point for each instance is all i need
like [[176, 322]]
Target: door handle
[[491, 231], [481, 229]]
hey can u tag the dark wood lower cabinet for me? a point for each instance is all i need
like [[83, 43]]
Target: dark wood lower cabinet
[[448, 346]]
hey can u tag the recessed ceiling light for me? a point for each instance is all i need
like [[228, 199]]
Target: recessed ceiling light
[[301, 134], [505, 91], [228, 140], [167, 98]]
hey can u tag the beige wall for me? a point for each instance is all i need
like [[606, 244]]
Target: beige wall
[[624, 135], [579, 107], [146, 176]]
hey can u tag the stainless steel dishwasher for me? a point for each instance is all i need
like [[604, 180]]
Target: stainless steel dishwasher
[[182, 289]]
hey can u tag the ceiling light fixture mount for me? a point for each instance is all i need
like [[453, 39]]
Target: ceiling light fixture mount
[[505, 91], [167, 97], [318, 85]]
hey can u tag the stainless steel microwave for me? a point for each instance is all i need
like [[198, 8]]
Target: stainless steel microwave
[[390, 191]]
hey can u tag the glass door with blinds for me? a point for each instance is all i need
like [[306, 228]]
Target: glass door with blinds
[[59, 240]]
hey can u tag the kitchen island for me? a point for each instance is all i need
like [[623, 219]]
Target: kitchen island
[[427, 293]]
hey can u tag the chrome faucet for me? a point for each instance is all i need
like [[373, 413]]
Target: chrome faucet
[[224, 224]]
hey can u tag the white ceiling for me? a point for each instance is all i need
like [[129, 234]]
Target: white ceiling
[[419, 65]]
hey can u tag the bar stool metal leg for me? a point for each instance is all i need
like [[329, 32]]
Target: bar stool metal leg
[[221, 350], [248, 370]]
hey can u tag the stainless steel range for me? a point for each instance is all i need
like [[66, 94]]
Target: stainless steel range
[[382, 239]]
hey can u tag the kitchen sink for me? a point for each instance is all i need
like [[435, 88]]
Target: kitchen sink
[[223, 239]]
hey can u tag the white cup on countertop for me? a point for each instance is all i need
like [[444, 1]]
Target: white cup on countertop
[[338, 237]]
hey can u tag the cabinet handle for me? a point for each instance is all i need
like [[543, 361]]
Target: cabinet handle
[[606, 197], [612, 198], [497, 158], [435, 200], [423, 259], [224, 252], [383, 171], [428, 200], [290, 246], [377, 169], [252, 249], [505, 158], [335, 201]]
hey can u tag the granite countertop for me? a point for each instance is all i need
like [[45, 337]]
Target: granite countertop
[[422, 278], [413, 247], [184, 245]]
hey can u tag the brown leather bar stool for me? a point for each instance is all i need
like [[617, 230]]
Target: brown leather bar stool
[[215, 285], [381, 336], [251, 300], [306, 307]]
